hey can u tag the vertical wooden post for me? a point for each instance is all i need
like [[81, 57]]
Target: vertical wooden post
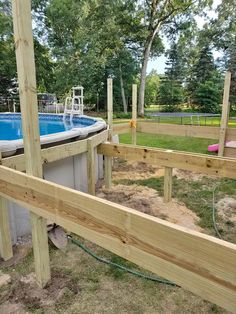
[[134, 114], [225, 114], [21, 10], [91, 167], [167, 184], [108, 160], [5, 234]]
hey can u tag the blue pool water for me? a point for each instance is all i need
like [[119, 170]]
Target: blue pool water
[[10, 125]]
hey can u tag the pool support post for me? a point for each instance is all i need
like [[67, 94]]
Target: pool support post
[[107, 159], [134, 114], [5, 234], [225, 114], [21, 11], [167, 184], [91, 167]]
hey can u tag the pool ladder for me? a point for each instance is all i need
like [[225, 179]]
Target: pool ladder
[[74, 105]]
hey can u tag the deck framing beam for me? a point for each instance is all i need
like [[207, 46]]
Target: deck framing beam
[[197, 262], [219, 166]]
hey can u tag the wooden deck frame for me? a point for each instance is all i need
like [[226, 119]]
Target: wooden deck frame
[[24, 48], [210, 165], [58, 152], [197, 262]]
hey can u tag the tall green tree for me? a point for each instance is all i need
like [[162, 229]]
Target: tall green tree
[[171, 86], [152, 88], [157, 17]]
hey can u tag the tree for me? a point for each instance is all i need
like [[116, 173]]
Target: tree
[[157, 15], [170, 94], [171, 90], [207, 97], [152, 88]]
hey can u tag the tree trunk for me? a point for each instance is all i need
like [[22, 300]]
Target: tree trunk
[[147, 50], [122, 91]]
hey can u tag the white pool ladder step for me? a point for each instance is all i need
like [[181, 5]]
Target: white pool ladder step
[[74, 105]]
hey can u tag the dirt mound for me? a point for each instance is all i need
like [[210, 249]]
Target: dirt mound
[[140, 170], [28, 295], [134, 170], [146, 200], [226, 208]]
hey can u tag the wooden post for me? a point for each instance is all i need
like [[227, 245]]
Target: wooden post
[[225, 114], [91, 168], [5, 234], [21, 10], [108, 160], [167, 184], [134, 114]]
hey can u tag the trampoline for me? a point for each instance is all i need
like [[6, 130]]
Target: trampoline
[[192, 115]]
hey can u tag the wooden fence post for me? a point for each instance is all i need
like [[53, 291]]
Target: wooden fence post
[[91, 167], [21, 10], [134, 114], [225, 114], [5, 234], [167, 184], [108, 160]]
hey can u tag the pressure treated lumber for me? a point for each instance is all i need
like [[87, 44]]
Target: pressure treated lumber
[[167, 184], [56, 152], [108, 160], [91, 174], [219, 166], [5, 234], [198, 262], [134, 114], [179, 130], [225, 114], [230, 152], [121, 128], [21, 11]]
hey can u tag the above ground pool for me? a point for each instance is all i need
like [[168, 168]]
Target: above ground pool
[[53, 128]]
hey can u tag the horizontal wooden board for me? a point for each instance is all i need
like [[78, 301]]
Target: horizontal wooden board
[[198, 262], [55, 153], [222, 167], [121, 128], [184, 130], [230, 152]]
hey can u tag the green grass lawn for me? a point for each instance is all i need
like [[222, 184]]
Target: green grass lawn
[[190, 144]]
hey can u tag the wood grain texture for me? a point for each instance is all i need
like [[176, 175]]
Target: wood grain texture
[[198, 262], [5, 234], [168, 184], [225, 114], [121, 128], [21, 11], [91, 173], [219, 166], [56, 152], [108, 160], [230, 152], [134, 113], [180, 130]]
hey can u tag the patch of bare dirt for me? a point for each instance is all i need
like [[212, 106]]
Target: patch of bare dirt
[[140, 170], [226, 208], [28, 295], [146, 200], [134, 170], [12, 308], [19, 253], [188, 175]]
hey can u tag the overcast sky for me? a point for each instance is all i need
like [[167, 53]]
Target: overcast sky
[[158, 64]]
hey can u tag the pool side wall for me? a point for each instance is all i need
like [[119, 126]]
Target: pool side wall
[[70, 172]]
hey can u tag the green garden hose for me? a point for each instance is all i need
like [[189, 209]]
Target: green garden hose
[[130, 271]]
